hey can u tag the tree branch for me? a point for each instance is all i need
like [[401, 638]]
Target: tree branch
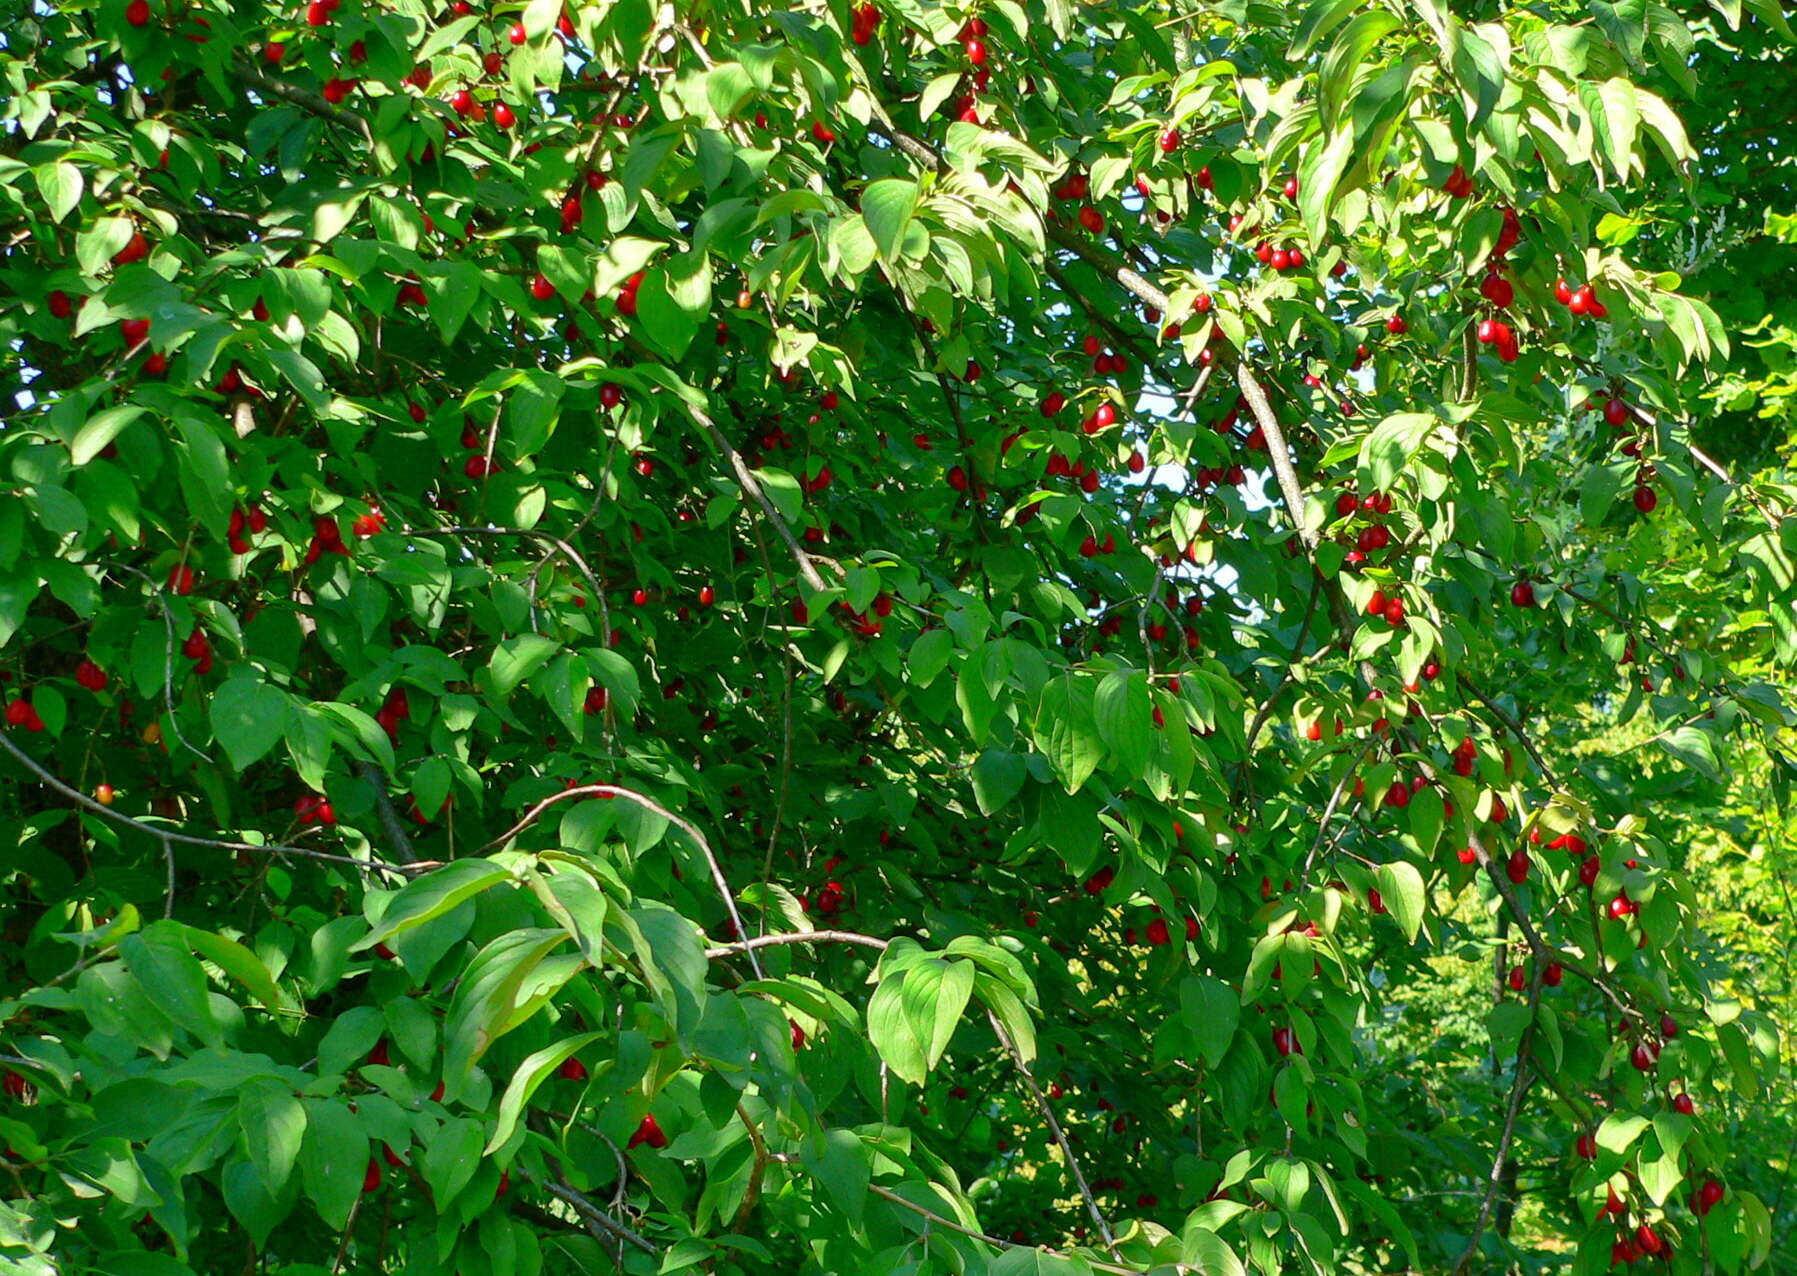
[[256, 78], [796, 937], [1060, 1135], [1524, 1070], [187, 839], [751, 486], [648, 804]]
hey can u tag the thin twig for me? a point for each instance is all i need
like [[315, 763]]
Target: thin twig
[[796, 937], [562, 546], [751, 486], [593, 1214], [168, 655], [187, 839], [1266, 710], [1060, 1135], [887, 1194], [1524, 1070]]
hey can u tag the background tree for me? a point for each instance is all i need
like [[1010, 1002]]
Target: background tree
[[888, 639]]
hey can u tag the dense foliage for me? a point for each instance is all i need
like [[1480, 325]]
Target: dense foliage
[[1024, 638]]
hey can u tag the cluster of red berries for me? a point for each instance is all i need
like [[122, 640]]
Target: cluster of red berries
[[22, 713], [866, 22], [626, 299], [198, 648], [1105, 362], [1459, 185], [395, 710], [1580, 301], [1290, 257], [1618, 415], [91, 676], [255, 521], [327, 538], [312, 808], [1074, 190]]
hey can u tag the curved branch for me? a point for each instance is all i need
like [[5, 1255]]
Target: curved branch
[[718, 879]]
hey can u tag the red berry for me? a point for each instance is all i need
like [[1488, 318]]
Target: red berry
[[137, 13], [649, 1132]]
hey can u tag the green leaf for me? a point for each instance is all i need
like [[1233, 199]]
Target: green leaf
[[1696, 748], [1387, 450], [662, 320], [1212, 1010], [929, 655], [1597, 494], [1480, 70], [61, 185], [236, 961], [160, 961], [1320, 18], [1401, 886], [1067, 730], [843, 1163], [333, 1159], [487, 997], [1341, 65], [1618, 1131], [517, 658], [886, 207], [728, 86], [1203, 1252], [1023, 1261], [889, 1028], [432, 895], [998, 777], [274, 1123], [673, 952], [100, 430], [1125, 719], [955, 987], [248, 717], [451, 1158], [530, 1074], [1427, 815], [1323, 167]]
